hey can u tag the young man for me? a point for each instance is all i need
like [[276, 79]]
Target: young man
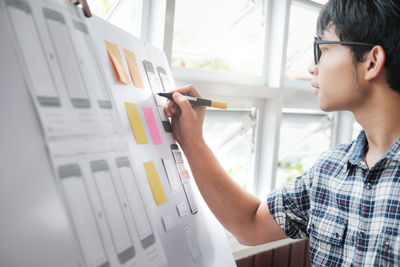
[[348, 203]]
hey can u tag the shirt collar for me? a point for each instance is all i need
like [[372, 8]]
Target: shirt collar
[[394, 151], [358, 149], [360, 145]]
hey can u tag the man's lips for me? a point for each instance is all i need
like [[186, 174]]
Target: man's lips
[[316, 88]]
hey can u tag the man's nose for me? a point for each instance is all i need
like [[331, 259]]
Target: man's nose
[[312, 68]]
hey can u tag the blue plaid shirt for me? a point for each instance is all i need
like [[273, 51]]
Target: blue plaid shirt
[[350, 214]]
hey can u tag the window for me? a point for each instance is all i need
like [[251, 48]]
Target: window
[[302, 140], [224, 35], [302, 28], [122, 13], [356, 130], [231, 136]]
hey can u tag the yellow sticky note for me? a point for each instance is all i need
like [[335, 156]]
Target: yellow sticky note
[[136, 123], [133, 68], [118, 65], [155, 183]]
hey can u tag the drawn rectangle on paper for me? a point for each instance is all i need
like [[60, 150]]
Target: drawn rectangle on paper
[[66, 57], [32, 52], [135, 198], [168, 222], [113, 212], [156, 87], [82, 215], [192, 243], [172, 174], [90, 66], [182, 209]]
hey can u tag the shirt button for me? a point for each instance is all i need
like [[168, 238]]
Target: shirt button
[[386, 246], [337, 235], [361, 234], [368, 186]]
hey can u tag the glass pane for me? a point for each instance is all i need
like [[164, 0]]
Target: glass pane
[[123, 14], [303, 138], [231, 136], [356, 130], [102, 8], [323, 2], [224, 35], [302, 27]]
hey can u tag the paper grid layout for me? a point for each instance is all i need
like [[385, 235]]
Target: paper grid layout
[[172, 175], [182, 209], [24, 26], [74, 79], [193, 245], [88, 59], [67, 58], [113, 212], [134, 196], [82, 214], [168, 222], [156, 87]]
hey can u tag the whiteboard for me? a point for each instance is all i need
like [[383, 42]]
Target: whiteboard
[[82, 182]]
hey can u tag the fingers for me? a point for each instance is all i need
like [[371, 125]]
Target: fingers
[[182, 102], [171, 109], [187, 90]]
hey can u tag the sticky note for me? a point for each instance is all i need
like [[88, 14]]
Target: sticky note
[[136, 123], [116, 61], [133, 68], [155, 183], [153, 128]]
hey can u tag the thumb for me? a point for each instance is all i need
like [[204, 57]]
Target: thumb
[[182, 102]]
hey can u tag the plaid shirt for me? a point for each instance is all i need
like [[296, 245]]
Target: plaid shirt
[[350, 214]]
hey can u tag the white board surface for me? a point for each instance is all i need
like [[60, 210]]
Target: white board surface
[[75, 187]]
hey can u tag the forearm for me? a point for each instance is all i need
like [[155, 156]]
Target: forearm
[[241, 213], [233, 206]]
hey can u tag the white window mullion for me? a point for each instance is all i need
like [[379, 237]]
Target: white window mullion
[[270, 117]]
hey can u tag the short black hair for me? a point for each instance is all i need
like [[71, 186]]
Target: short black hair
[[369, 21]]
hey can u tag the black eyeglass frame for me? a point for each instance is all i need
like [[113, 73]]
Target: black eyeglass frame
[[317, 50]]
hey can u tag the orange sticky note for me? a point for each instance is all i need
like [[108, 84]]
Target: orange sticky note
[[155, 183], [116, 61], [136, 123], [133, 68]]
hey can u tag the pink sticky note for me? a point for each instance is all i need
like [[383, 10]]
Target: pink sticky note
[[151, 123]]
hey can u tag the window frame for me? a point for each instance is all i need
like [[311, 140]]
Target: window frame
[[269, 93]]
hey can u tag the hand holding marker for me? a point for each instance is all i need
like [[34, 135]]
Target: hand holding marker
[[198, 101]]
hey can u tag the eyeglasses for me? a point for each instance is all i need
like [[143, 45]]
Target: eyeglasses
[[317, 50]]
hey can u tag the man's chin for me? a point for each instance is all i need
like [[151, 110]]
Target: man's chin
[[325, 107]]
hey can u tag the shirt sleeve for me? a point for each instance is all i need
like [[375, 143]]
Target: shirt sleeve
[[290, 206]]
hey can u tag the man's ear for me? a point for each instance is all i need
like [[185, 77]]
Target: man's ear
[[374, 62]]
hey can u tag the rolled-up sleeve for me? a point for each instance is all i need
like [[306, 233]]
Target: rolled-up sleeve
[[290, 206]]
